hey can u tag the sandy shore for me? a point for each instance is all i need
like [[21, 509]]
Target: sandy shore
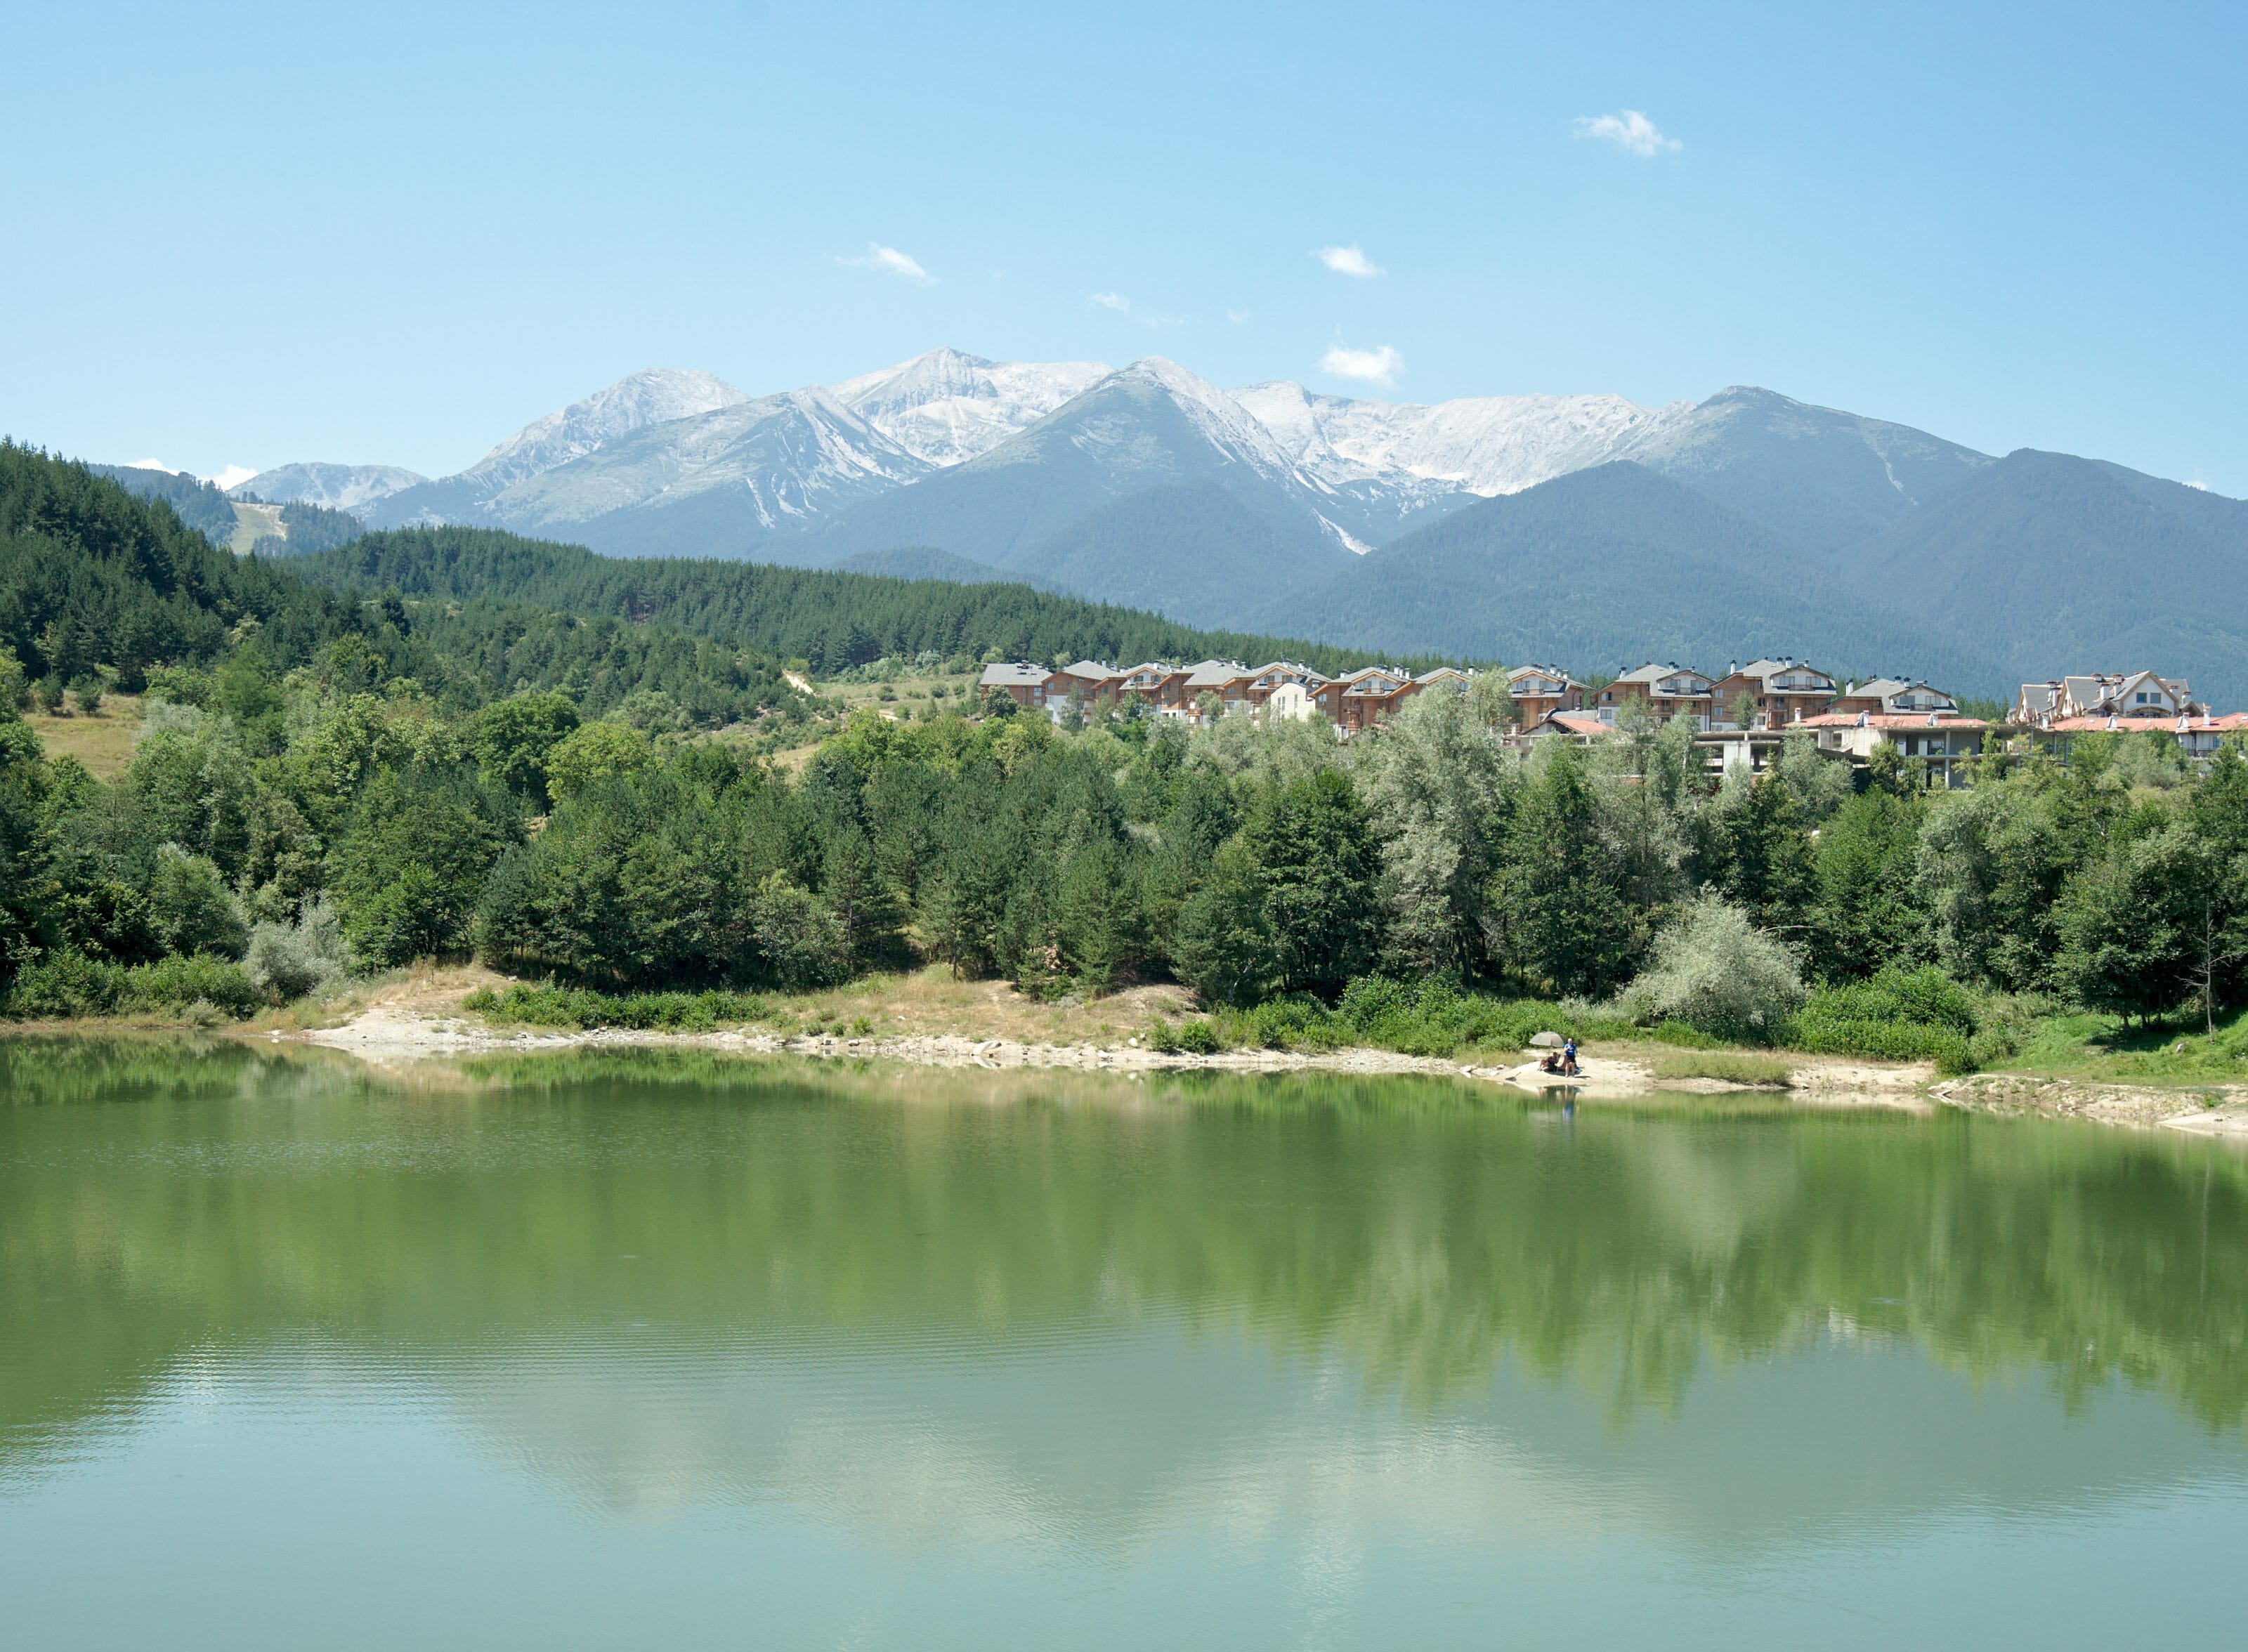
[[390, 1034], [418, 1021]]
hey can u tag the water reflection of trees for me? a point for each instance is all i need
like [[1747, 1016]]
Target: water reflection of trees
[[1424, 1232]]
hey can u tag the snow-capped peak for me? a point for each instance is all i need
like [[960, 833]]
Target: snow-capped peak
[[948, 407], [1483, 444], [655, 396], [1221, 418]]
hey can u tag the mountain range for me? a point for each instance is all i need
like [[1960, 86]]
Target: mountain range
[[1586, 529]]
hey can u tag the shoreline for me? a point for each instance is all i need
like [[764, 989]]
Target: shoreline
[[419, 1021], [385, 1034]]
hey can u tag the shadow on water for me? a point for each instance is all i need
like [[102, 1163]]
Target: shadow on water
[[1609, 1268]]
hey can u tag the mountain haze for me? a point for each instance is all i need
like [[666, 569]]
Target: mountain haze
[[333, 487], [1823, 477], [1784, 527], [2042, 559], [1607, 569]]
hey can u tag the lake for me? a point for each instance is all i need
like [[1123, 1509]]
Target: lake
[[670, 1350]]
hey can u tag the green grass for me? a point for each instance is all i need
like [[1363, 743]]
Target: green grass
[[1428, 1019], [552, 1006], [2102, 1048], [1728, 1066]]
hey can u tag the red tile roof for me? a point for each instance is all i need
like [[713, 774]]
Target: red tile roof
[[1898, 720], [2226, 725]]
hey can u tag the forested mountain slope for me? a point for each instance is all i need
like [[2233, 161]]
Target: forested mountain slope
[[829, 617], [1608, 568], [92, 575], [93, 578], [2047, 562], [1815, 475]]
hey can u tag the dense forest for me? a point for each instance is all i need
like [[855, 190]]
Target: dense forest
[[328, 782], [209, 510], [833, 620]]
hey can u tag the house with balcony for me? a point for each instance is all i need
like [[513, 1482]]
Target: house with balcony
[[1665, 692], [1774, 692], [1162, 686], [1940, 744], [1894, 697], [1539, 690], [1280, 673], [1358, 700], [1227, 679], [2127, 694]]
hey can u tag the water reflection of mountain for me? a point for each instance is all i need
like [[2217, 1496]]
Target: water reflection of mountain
[[667, 1284]]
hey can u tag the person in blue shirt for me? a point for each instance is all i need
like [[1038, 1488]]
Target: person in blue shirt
[[1569, 1056]]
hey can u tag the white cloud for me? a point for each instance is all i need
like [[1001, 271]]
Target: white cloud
[[1631, 131], [1374, 366], [1115, 301], [1237, 317], [890, 261], [146, 464], [232, 475], [1348, 261]]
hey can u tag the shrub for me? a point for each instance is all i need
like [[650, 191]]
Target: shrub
[[65, 984], [1720, 974], [1198, 1035], [1901, 1014], [1162, 1036], [292, 959], [800, 934], [178, 983], [554, 1006]]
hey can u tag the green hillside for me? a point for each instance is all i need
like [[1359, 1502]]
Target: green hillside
[[244, 524], [1190, 549], [95, 580], [2048, 563], [832, 619], [1606, 569]]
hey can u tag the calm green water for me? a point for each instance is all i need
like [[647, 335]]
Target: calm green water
[[667, 1353]]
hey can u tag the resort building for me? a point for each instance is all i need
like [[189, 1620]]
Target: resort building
[[1943, 744], [2197, 736], [1163, 687], [1666, 691], [1025, 683], [1281, 672], [1895, 697], [2130, 694], [1578, 728], [1539, 690], [1359, 699], [1773, 693]]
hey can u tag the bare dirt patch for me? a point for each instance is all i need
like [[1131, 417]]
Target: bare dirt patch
[[2215, 1109]]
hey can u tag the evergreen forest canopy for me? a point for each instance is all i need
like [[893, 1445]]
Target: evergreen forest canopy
[[209, 510], [330, 780], [833, 620]]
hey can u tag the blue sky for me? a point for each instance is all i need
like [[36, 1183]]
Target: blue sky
[[247, 235]]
